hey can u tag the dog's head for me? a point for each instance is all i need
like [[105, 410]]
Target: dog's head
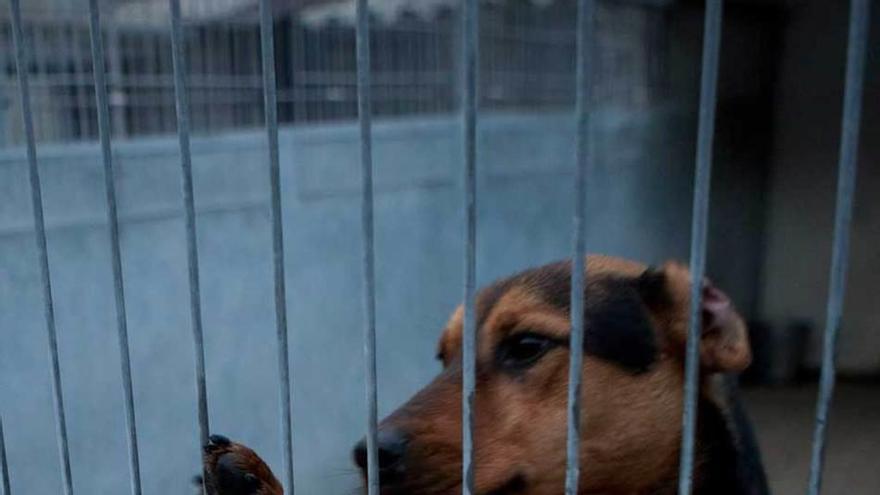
[[635, 322]]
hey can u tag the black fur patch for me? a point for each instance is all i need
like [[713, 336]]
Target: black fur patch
[[617, 326], [652, 286], [231, 479]]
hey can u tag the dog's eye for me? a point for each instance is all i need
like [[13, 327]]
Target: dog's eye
[[523, 350]]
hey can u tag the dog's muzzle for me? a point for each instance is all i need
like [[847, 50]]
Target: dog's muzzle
[[391, 444]]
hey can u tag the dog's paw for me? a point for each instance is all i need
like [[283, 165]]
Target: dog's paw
[[233, 469]]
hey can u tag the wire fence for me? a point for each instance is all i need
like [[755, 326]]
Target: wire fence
[[527, 53], [475, 61]]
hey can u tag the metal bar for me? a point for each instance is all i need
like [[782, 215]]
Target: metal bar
[[153, 124], [21, 62], [270, 91], [584, 91], [41, 65], [97, 44], [4, 463], [115, 56], [181, 100], [699, 227], [362, 44], [470, 54], [846, 183], [80, 93]]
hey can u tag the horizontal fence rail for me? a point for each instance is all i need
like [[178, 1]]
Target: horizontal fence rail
[[699, 227], [846, 184], [21, 58], [115, 250]]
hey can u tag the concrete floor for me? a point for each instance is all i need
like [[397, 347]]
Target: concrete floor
[[783, 419]]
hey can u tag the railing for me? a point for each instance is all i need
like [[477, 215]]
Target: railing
[[470, 113]]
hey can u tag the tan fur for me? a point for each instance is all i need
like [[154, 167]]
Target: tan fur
[[630, 422]]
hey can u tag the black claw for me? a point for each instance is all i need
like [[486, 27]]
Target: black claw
[[219, 440], [215, 441]]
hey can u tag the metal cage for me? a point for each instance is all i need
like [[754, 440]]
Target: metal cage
[[357, 96]]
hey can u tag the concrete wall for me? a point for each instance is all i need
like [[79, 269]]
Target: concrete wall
[[639, 202], [803, 184]]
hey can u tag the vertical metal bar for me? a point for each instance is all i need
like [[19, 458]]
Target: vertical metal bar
[[5, 86], [181, 99], [21, 62], [4, 463], [846, 183], [584, 91], [150, 70], [209, 93], [77, 88], [47, 112], [699, 224], [115, 250], [165, 96], [270, 91], [364, 119], [116, 57], [247, 91], [470, 54]]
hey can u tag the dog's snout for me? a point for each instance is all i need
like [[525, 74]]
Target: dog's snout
[[391, 445]]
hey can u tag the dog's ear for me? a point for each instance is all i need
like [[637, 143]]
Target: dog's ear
[[724, 341]]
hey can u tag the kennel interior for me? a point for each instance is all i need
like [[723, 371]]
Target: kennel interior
[[771, 216]]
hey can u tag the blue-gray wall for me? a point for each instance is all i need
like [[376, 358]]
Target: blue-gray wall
[[803, 183], [639, 207]]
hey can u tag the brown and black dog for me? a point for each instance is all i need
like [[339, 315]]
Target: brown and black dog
[[635, 322]]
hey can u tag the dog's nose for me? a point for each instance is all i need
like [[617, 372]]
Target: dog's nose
[[391, 444]]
